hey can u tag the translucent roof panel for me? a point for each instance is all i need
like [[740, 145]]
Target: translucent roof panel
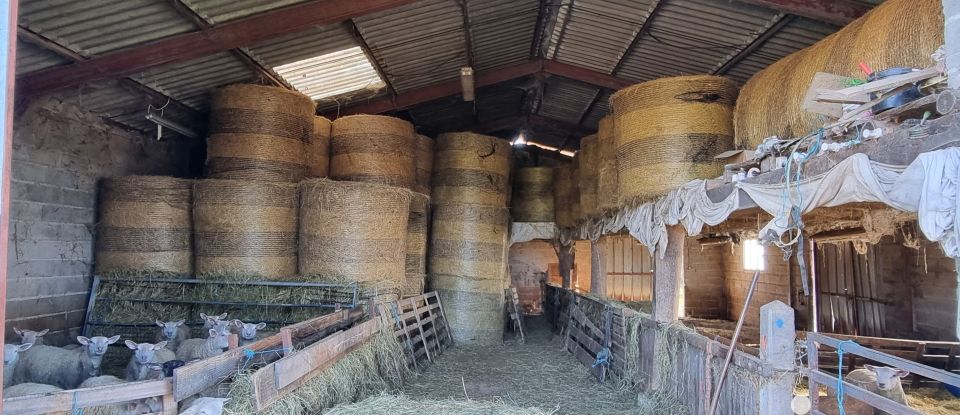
[[332, 74]]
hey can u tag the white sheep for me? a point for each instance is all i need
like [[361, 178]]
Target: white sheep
[[138, 407], [27, 389], [192, 349], [248, 331], [30, 336], [884, 381], [172, 332], [205, 406], [11, 359], [61, 367], [143, 355], [210, 321]]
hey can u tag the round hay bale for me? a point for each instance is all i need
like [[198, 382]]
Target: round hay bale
[[588, 176], [562, 177], [669, 130], [145, 225], [423, 149], [471, 168], [894, 33], [354, 232], [245, 229], [417, 235], [258, 133], [533, 195], [473, 308], [413, 285], [576, 211], [373, 149], [318, 149], [607, 185]]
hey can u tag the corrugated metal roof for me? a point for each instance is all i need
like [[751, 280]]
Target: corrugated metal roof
[[219, 11], [500, 101], [794, 36], [192, 81], [693, 37], [32, 58], [566, 100], [502, 31], [92, 27], [418, 44], [600, 109], [595, 33], [314, 42], [105, 98]]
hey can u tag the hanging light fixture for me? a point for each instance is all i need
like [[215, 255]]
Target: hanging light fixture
[[466, 83]]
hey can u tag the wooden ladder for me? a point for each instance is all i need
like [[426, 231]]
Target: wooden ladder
[[513, 306]]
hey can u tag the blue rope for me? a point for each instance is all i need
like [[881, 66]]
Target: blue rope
[[840, 376], [250, 354], [603, 358]]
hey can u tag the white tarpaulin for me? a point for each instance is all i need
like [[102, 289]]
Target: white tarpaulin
[[528, 231]]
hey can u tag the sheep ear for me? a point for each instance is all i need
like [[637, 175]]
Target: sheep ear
[[83, 340], [42, 332], [902, 373], [18, 331], [160, 345], [160, 323], [131, 344], [261, 326], [24, 347], [223, 316], [113, 339], [238, 323], [871, 368], [204, 316], [179, 323], [214, 333]]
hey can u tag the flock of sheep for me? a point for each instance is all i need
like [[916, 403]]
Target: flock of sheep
[[31, 367]]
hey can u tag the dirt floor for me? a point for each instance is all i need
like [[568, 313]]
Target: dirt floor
[[536, 374]]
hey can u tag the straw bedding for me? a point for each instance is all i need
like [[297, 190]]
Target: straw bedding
[[417, 224], [895, 33], [354, 231], [669, 130], [318, 148], [471, 168], [145, 225], [423, 153], [245, 227], [562, 196], [607, 183], [533, 195], [258, 133], [374, 149], [589, 175]]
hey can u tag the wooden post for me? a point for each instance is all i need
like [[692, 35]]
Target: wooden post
[[286, 339], [233, 342], [598, 269], [668, 277], [566, 257], [778, 355]]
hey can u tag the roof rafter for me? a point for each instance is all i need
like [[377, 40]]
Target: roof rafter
[[838, 12], [756, 43], [219, 38]]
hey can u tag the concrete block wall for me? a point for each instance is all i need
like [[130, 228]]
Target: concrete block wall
[[704, 295], [774, 282], [59, 153]]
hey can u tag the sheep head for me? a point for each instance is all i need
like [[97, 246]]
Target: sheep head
[[97, 346], [210, 321], [888, 378], [169, 328], [221, 337], [11, 351], [248, 331], [29, 336], [145, 352]]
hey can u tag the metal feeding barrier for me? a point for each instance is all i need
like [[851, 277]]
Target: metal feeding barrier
[[130, 306]]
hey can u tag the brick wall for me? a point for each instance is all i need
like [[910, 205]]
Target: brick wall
[[59, 153], [529, 265], [774, 282], [704, 280]]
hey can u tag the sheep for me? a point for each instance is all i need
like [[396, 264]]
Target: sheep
[[210, 321], [144, 354], [884, 381], [203, 348], [173, 332], [27, 389], [205, 406], [142, 406], [61, 367], [30, 336], [11, 358], [248, 331]]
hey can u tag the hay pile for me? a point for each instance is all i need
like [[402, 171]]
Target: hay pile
[[564, 193], [318, 148], [145, 225], [533, 199], [608, 187], [403, 405], [471, 168], [423, 154], [417, 236], [895, 33], [356, 232], [668, 131], [258, 133], [246, 228], [373, 149], [588, 176]]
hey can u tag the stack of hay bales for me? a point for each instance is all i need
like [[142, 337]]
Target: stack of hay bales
[[145, 226], [533, 195], [318, 148], [417, 238], [589, 163], [895, 33], [607, 183], [564, 193], [355, 232], [469, 233], [668, 131], [423, 154], [373, 149]]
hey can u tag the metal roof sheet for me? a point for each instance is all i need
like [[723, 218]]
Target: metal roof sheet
[[566, 100], [595, 33], [32, 58], [796, 35], [192, 81], [502, 31], [220, 11]]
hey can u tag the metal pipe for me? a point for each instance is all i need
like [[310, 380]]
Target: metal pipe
[[8, 58], [733, 344]]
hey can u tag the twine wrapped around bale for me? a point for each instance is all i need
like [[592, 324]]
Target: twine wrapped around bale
[[423, 153], [533, 199], [318, 149], [473, 308], [669, 131], [354, 232], [576, 211], [145, 226], [413, 285], [258, 133], [589, 175], [245, 229], [471, 168], [417, 235], [608, 189], [895, 33], [562, 177], [374, 149]]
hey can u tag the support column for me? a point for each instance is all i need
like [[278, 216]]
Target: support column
[[565, 254], [598, 267], [668, 277], [951, 20], [778, 355]]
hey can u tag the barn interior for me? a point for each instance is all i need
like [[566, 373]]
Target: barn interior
[[480, 206]]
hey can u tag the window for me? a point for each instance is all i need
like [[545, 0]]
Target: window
[[753, 255], [332, 74]]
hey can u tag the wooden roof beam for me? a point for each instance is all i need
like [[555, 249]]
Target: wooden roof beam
[[840, 12]]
